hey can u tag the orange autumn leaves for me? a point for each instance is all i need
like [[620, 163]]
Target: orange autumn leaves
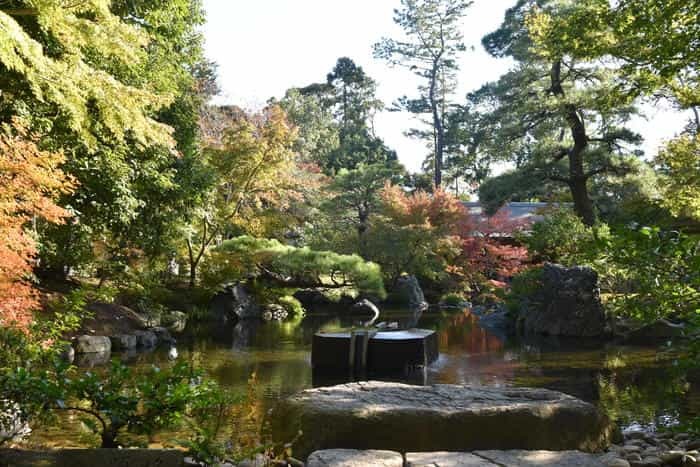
[[473, 244], [30, 181]]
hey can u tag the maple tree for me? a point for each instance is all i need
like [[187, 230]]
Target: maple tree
[[257, 176], [30, 180], [486, 251]]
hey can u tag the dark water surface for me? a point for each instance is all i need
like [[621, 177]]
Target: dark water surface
[[634, 385]]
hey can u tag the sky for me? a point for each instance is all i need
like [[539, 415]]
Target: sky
[[264, 47]]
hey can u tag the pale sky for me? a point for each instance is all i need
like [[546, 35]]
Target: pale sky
[[264, 47]]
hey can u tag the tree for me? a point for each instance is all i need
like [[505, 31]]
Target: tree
[[30, 181], [679, 161], [416, 233], [559, 118], [279, 265], [434, 40], [350, 96], [355, 197], [117, 86], [50, 55], [252, 160], [655, 44], [654, 41], [314, 120]]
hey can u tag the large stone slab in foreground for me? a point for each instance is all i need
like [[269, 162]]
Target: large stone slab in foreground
[[404, 418], [354, 458], [446, 459]]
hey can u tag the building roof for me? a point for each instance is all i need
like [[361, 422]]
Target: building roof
[[517, 211]]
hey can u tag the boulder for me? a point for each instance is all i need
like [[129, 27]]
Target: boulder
[[567, 304], [354, 458], [123, 342], [233, 303], [174, 321], [163, 335], [13, 426], [92, 344], [146, 339], [499, 323], [658, 330], [407, 291], [400, 417]]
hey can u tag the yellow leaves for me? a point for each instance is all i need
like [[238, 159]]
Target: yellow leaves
[[680, 160], [71, 84]]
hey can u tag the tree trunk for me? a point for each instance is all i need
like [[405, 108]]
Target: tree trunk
[[582, 202], [577, 181], [363, 216], [437, 125]]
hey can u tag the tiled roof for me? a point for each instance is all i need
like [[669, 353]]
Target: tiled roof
[[519, 211]]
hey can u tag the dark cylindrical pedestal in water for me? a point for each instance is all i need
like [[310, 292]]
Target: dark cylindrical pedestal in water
[[384, 351]]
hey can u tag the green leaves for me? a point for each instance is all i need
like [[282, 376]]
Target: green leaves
[[290, 267]]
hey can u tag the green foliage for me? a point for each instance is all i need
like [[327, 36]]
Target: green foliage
[[452, 300], [290, 267], [111, 403], [679, 162], [651, 273], [561, 237], [523, 285]]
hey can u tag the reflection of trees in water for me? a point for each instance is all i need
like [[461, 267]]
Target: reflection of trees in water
[[462, 332]]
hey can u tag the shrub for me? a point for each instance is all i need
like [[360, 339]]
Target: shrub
[[561, 237], [523, 286], [111, 403]]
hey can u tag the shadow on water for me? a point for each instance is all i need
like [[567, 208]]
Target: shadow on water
[[635, 385]]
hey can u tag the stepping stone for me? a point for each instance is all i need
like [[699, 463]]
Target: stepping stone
[[519, 458], [405, 418], [354, 458], [446, 459]]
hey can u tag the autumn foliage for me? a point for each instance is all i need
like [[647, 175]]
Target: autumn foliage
[[466, 248], [30, 180], [487, 246]]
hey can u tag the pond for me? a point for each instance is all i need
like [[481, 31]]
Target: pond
[[634, 385]]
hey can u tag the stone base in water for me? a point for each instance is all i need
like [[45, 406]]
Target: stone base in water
[[405, 418], [385, 351]]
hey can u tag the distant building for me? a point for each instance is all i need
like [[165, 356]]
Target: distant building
[[517, 211], [519, 215]]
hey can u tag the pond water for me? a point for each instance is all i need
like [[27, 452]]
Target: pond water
[[634, 385]]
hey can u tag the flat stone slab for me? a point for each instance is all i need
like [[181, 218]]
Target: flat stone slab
[[405, 418], [354, 458], [519, 458], [446, 459]]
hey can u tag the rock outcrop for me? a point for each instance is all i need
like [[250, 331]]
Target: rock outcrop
[[567, 304], [408, 292], [233, 303], [92, 344], [400, 417]]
